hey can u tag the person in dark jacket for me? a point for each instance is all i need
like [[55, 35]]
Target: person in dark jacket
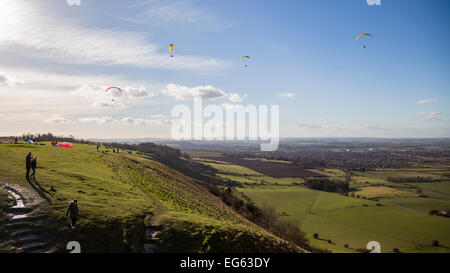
[[28, 165], [72, 212], [33, 167]]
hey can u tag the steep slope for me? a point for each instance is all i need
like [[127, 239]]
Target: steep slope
[[119, 194]]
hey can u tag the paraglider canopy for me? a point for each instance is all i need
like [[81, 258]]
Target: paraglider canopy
[[171, 49], [116, 92], [362, 35], [65, 144], [113, 87], [243, 57]]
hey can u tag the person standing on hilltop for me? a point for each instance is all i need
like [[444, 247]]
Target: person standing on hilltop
[[72, 212], [33, 167], [28, 165]]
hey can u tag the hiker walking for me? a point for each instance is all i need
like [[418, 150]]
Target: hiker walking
[[28, 165], [72, 212], [33, 167]]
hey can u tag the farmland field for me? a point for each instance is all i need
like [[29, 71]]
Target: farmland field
[[345, 220], [275, 169], [375, 209]]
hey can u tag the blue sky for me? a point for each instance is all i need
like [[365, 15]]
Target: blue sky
[[57, 58]]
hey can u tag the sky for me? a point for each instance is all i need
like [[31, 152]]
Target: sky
[[58, 57]]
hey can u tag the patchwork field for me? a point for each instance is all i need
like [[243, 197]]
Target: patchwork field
[[394, 214], [355, 222], [277, 169]]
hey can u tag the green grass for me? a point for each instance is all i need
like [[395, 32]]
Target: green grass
[[346, 220], [419, 204], [116, 192], [245, 175], [380, 191], [232, 169], [437, 187]]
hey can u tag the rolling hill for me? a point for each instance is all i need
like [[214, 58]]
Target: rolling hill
[[121, 196]]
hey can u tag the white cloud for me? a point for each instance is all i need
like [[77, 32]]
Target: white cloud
[[88, 91], [132, 121], [8, 80], [286, 95], [113, 97], [236, 98], [158, 116], [158, 121], [57, 119], [137, 92], [431, 115], [34, 29], [308, 125], [99, 120], [375, 128], [180, 92], [428, 101], [126, 121], [108, 104]]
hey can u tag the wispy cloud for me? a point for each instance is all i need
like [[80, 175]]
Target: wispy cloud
[[308, 125], [286, 95], [428, 101], [30, 26], [57, 119], [126, 120], [435, 115], [375, 128], [179, 13]]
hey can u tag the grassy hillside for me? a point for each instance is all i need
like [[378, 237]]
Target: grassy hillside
[[118, 194]]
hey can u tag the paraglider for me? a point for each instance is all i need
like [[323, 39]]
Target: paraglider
[[362, 35], [115, 92], [65, 144], [171, 49], [113, 87], [248, 57]]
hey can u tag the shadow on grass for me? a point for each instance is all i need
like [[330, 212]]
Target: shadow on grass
[[326, 240], [41, 191]]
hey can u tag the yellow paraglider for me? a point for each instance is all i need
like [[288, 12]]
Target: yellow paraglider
[[248, 57], [364, 34], [170, 49]]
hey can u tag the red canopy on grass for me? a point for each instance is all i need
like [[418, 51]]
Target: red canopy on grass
[[65, 144]]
